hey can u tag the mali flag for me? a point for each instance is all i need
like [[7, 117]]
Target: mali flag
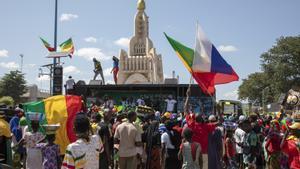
[[67, 46], [47, 45], [59, 109]]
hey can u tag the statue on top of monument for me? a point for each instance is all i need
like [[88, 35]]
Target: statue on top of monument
[[141, 5], [98, 70], [115, 68]]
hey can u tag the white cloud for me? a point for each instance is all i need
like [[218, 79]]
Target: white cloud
[[109, 82], [3, 53], [123, 42], [43, 78], [227, 48], [9, 65], [107, 71], [167, 76], [90, 53], [233, 95], [67, 17], [91, 39], [31, 65], [71, 69]]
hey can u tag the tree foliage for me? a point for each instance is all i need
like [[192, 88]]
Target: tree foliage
[[280, 72], [13, 84]]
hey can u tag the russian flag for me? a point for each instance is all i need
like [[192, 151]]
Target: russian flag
[[209, 68]]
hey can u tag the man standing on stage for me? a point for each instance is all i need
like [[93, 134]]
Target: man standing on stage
[[115, 68], [98, 70], [70, 85]]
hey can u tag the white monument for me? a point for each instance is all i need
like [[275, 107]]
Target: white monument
[[143, 65]]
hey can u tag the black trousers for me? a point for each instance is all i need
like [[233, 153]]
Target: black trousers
[[172, 161]]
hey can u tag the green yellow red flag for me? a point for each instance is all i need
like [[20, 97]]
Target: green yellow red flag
[[47, 45], [185, 54], [58, 109], [67, 46]]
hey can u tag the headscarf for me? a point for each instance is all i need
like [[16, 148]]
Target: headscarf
[[15, 128]]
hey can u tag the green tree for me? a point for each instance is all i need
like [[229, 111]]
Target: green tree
[[282, 64], [280, 72], [252, 87], [13, 84]]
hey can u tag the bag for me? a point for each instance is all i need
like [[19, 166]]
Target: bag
[[246, 146], [194, 148], [175, 138]]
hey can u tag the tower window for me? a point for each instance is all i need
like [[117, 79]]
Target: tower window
[[139, 49]]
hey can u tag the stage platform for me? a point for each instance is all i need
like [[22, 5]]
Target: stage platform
[[156, 93]]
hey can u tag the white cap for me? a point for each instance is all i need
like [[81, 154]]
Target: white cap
[[212, 118], [242, 118]]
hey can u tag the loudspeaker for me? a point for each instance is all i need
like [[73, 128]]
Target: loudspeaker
[[57, 80]]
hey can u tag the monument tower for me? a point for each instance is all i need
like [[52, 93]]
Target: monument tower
[[142, 65]]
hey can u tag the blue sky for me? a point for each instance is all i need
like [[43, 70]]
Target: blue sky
[[101, 28]]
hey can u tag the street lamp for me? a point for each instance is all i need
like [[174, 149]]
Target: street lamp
[[263, 99]]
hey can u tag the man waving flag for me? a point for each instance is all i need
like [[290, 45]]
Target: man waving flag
[[205, 63]]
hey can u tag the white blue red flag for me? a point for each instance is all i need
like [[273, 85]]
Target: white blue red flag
[[209, 68]]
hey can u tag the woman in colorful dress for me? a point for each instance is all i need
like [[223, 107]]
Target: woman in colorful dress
[[291, 146], [50, 150], [84, 152], [272, 145], [153, 145], [30, 139], [230, 151]]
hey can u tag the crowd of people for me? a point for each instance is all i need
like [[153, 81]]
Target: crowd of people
[[108, 138]]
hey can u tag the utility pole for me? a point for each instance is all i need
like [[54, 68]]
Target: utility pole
[[56, 70], [21, 55]]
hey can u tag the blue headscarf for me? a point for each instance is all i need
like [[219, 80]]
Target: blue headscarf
[[15, 128]]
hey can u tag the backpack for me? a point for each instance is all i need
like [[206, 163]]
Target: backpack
[[175, 138]]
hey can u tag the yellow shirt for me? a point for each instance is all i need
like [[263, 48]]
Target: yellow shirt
[[4, 128]]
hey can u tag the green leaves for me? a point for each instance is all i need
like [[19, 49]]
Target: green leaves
[[280, 67], [13, 85]]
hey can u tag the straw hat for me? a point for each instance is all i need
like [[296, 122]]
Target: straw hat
[[2, 114], [295, 126], [168, 115]]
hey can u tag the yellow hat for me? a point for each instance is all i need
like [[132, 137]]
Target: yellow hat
[[168, 115], [295, 126]]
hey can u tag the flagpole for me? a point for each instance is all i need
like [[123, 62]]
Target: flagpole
[[55, 32], [188, 92], [199, 81]]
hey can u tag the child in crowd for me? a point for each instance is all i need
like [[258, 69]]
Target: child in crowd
[[31, 138], [190, 152], [50, 150], [84, 152], [230, 152]]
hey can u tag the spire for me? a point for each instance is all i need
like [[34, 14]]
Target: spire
[[141, 5]]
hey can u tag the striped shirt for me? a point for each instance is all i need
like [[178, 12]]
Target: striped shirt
[[82, 154]]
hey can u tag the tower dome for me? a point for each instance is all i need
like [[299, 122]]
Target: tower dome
[[141, 5]]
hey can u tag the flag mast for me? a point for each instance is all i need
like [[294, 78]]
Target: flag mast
[[188, 92]]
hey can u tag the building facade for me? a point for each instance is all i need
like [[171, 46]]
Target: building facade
[[141, 65]]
